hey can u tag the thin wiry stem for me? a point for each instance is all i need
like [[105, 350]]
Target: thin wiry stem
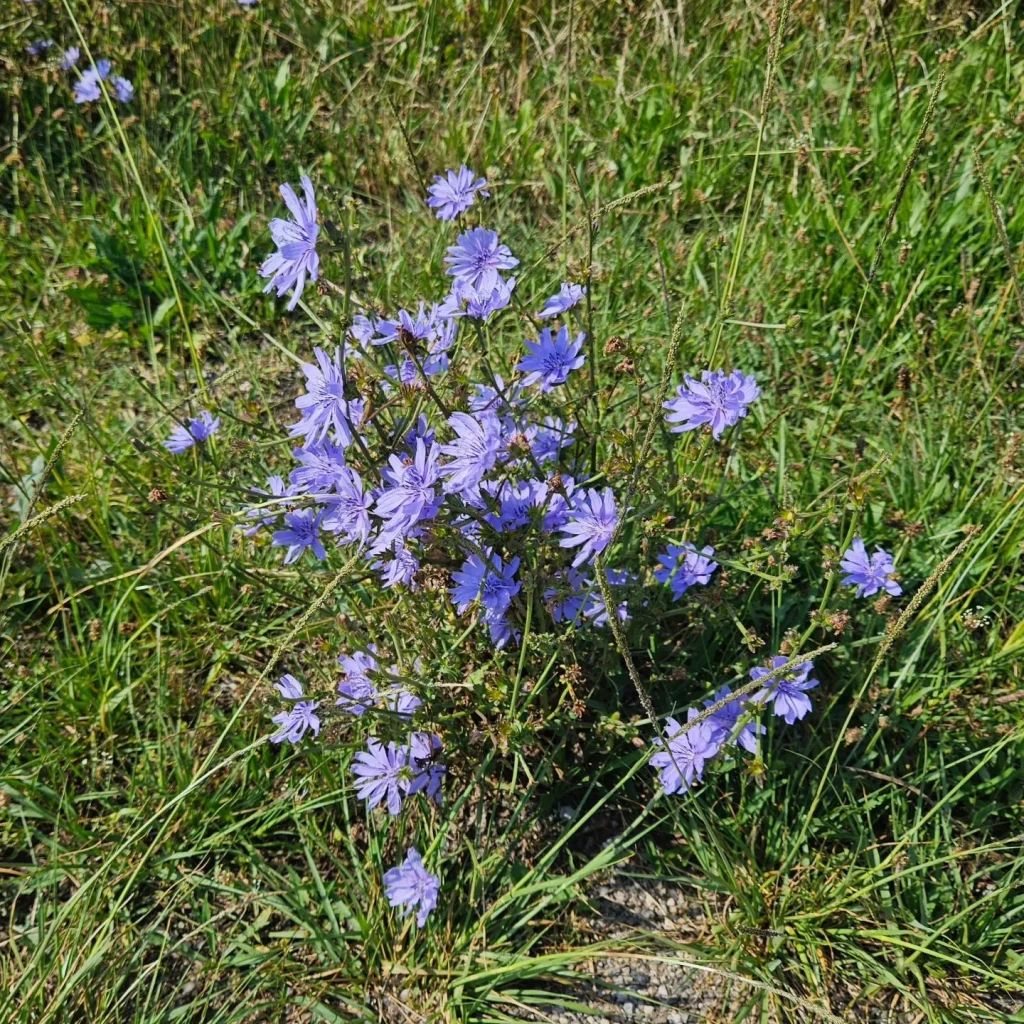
[[893, 632], [892, 62], [774, 46], [997, 216], [48, 513], [907, 169], [659, 400]]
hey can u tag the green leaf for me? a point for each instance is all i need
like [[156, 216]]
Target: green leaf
[[281, 78], [162, 310]]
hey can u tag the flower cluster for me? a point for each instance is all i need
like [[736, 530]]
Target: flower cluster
[[88, 89], [413, 453], [682, 755], [503, 470]]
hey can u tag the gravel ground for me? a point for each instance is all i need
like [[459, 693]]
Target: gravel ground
[[643, 990], [637, 990]]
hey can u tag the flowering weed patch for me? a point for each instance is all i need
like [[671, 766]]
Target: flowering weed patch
[[453, 454]]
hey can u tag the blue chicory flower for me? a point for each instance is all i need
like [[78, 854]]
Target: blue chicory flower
[[326, 413], [347, 514], [786, 692], [592, 521], [478, 304], [358, 692], [566, 598], [382, 773], [724, 721], [551, 438], [719, 399], [302, 531], [412, 887], [681, 762], [69, 58], [869, 573], [685, 566], [123, 89], [503, 398], [293, 723], [398, 699], [518, 504], [455, 192], [474, 451], [87, 88], [39, 47], [568, 296], [491, 581], [477, 257], [320, 468], [427, 772], [276, 488], [401, 568], [409, 496], [596, 610], [295, 239], [549, 360], [198, 430]]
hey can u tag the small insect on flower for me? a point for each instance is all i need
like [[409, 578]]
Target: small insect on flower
[[87, 88], [293, 723], [198, 430], [549, 360], [681, 762], [455, 192], [296, 254], [869, 573], [718, 399], [382, 773], [413, 887], [568, 296], [69, 58], [477, 257], [685, 566], [786, 692], [592, 521], [428, 772]]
